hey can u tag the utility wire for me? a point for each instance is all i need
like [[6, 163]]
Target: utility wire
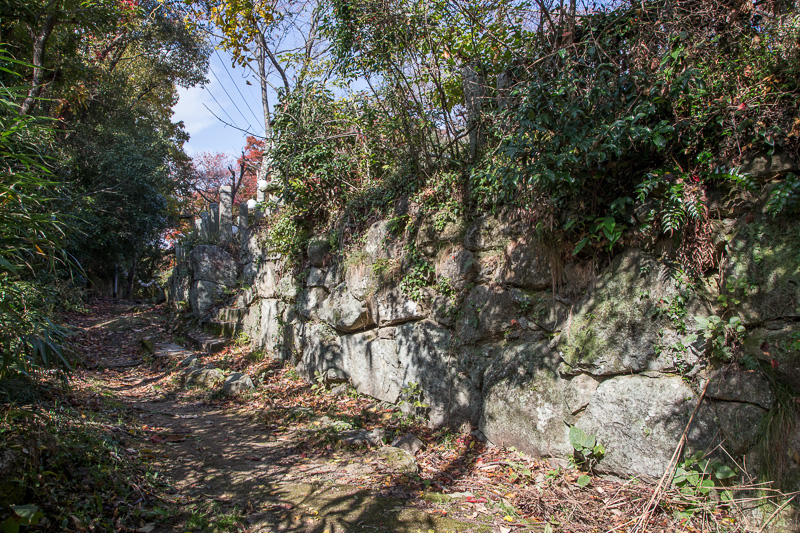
[[223, 110], [237, 89], [231, 99]]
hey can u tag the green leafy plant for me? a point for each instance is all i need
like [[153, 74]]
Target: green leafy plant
[[417, 276], [319, 386], [24, 515], [723, 338], [731, 294], [696, 476], [587, 452], [413, 396], [785, 196]]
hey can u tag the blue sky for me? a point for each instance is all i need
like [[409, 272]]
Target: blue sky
[[229, 97]]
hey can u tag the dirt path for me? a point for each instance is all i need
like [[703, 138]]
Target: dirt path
[[293, 456], [251, 463]]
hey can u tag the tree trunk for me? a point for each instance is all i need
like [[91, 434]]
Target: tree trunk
[[131, 277], [39, 44]]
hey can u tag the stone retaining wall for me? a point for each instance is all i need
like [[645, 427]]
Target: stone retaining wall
[[489, 345]]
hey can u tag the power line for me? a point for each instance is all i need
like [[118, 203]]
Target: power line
[[223, 109], [231, 99], [237, 88]]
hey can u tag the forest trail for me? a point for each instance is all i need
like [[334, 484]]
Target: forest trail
[[251, 463], [292, 456]]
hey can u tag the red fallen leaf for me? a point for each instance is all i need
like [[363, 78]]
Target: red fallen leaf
[[471, 499], [774, 363]]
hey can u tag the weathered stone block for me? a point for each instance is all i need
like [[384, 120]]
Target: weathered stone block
[[526, 265], [393, 307], [373, 365], [487, 313], [344, 312], [267, 280], [777, 343], [212, 263], [237, 383], [321, 352], [457, 265], [616, 327], [763, 255], [425, 358], [204, 295], [639, 421], [527, 404], [732, 384]]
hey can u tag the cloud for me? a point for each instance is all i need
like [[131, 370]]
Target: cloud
[[206, 132], [191, 111]]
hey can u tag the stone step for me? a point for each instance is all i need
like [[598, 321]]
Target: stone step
[[222, 329], [207, 343], [230, 314]]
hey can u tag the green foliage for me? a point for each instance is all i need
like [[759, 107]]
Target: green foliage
[[785, 196], [730, 296], [413, 396], [723, 338], [319, 386], [24, 515], [115, 157], [285, 234], [587, 451], [418, 275], [696, 476], [64, 463], [31, 240]]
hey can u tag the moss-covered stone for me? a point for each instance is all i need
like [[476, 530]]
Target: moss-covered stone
[[779, 345], [764, 256], [621, 326]]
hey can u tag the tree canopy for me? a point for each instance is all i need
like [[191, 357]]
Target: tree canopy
[[92, 158]]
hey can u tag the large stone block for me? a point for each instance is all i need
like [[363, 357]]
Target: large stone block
[[740, 424], [204, 295], [212, 263], [272, 327], [373, 365], [457, 265], [526, 265], [309, 302], [527, 404], [491, 232], [763, 257], [639, 420], [778, 343], [616, 328], [765, 166], [393, 307], [732, 384], [344, 312], [321, 353], [360, 277], [425, 357], [327, 278], [488, 313], [267, 280], [438, 229]]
